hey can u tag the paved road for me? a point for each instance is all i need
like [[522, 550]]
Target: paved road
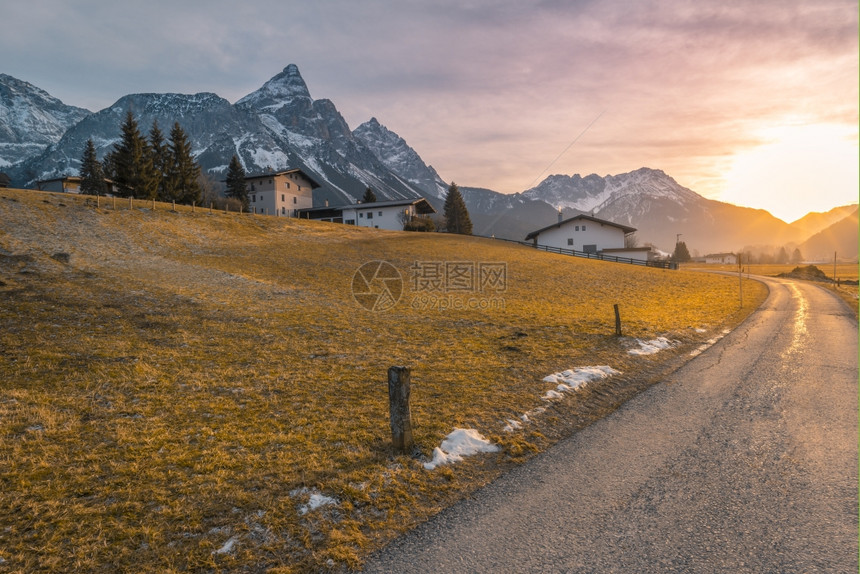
[[744, 460]]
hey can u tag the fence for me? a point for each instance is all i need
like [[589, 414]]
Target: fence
[[600, 256]]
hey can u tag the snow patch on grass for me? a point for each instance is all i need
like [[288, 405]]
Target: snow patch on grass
[[651, 347], [315, 499], [228, 546], [460, 443]]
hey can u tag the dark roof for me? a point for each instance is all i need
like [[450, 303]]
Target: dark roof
[[422, 206], [581, 217], [61, 178], [304, 174]]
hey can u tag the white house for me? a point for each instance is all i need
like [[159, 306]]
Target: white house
[[391, 215], [722, 258], [280, 193], [589, 234]]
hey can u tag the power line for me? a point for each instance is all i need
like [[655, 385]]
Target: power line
[[565, 149]]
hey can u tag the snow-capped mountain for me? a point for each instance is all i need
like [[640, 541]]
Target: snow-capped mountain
[[278, 126], [281, 126], [319, 135], [626, 196], [30, 120], [662, 209], [393, 151]]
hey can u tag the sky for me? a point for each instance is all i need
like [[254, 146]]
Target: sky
[[754, 102]]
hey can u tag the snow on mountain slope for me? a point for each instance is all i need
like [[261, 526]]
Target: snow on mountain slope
[[393, 151], [30, 120]]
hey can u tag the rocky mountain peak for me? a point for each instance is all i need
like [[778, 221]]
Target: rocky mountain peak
[[279, 91], [31, 119]]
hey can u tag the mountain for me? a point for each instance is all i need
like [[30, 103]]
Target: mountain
[[840, 238], [281, 126], [316, 132], [661, 210], [278, 126], [393, 151], [215, 129], [813, 222], [30, 120]]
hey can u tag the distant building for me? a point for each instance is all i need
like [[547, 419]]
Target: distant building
[[722, 258], [392, 215], [65, 184], [5, 180], [281, 193], [588, 234], [69, 184]]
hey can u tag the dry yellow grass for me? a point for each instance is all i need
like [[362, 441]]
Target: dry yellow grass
[[841, 271], [175, 386]]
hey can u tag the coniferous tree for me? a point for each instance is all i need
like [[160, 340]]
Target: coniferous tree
[[91, 173], [369, 196], [183, 173], [796, 257], [456, 215], [682, 254], [160, 154], [236, 182], [132, 163]]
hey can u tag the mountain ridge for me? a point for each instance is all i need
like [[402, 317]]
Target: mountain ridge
[[280, 125]]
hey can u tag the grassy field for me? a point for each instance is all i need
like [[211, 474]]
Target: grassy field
[[178, 389], [842, 272]]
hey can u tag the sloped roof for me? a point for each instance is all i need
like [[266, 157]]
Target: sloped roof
[[581, 217], [422, 206], [314, 184]]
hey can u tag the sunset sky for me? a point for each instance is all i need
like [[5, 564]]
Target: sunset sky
[[754, 103]]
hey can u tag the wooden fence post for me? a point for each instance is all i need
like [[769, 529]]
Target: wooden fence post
[[130, 202], [617, 320], [398, 404]]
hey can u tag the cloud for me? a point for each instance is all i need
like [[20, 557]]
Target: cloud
[[488, 92]]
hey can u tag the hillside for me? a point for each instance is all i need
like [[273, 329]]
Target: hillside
[[193, 390], [840, 238]]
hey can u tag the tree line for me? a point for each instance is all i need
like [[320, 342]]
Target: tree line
[[144, 167]]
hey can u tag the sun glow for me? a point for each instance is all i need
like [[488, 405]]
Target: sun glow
[[802, 168]]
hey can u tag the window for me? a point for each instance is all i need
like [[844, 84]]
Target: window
[[370, 215], [254, 198], [361, 215], [295, 199], [577, 228], [583, 228], [283, 211], [589, 248], [282, 197], [270, 182], [380, 214], [570, 240], [288, 185], [349, 221]]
